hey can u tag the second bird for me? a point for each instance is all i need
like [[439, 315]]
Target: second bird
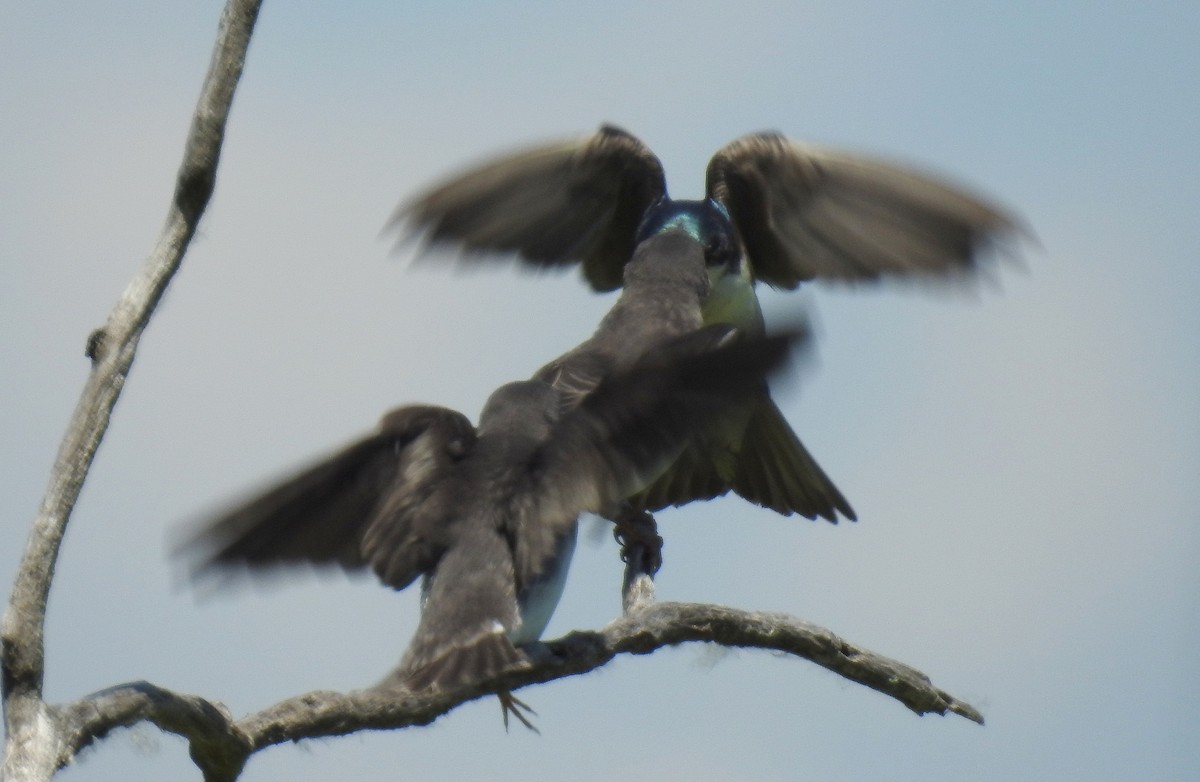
[[776, 211]]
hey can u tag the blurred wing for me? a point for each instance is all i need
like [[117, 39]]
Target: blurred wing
[[804, 212], [320, 515], [633, 426], [576, 201], [409, 527]]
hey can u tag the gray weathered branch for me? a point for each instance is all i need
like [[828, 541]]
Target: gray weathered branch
[[42, 738], [220, 746], [111, 349]]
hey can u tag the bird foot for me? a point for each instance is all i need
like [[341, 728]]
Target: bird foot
[[641, 545], [511, 704]]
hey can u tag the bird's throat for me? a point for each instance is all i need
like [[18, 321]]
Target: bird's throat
[[732, 301]]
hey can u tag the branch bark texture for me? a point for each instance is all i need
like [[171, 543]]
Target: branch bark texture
[[220, 745], [111, 349]]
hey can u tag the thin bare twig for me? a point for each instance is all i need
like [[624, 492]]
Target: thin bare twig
[[111, 349]]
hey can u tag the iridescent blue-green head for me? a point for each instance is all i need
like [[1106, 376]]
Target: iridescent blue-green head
[[706, 221], [732, 298]]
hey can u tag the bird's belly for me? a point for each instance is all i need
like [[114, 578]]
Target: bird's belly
[[541, 598]]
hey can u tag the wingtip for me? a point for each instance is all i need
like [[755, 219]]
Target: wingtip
[[612, 129]]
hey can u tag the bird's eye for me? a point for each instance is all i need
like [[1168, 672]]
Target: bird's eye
[[716, 248]]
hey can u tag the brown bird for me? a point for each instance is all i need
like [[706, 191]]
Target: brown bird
[[488, 515]]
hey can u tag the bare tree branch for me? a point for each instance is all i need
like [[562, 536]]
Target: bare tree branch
[[112, 351], [220, 746], [42, 738]]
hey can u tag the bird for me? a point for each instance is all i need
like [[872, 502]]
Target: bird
[[776, 211], [487, 515], [666, 284]]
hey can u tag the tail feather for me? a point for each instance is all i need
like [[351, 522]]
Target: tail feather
[[776, 471], [456, 666]]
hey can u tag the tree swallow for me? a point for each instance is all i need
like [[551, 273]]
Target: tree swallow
[[776, 211], [488, 515], [800, 212]]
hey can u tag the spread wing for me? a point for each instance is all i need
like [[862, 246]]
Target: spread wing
[[346, 510], [632, 427], [554, 205], [804, 212]]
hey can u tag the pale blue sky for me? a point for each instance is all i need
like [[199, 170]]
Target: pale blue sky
[[1023, 459]]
